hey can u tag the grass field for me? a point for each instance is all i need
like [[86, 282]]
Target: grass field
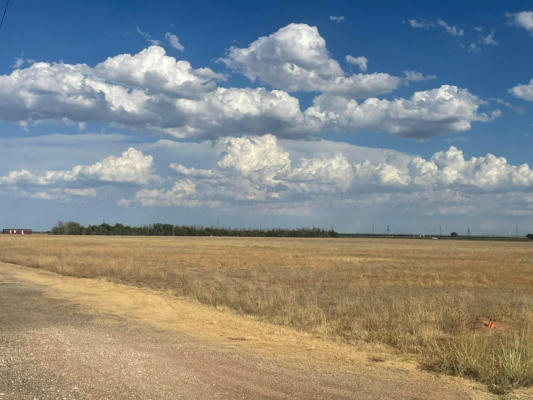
[[427, 298]]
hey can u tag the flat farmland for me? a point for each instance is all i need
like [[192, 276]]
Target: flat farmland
[[427, 298]]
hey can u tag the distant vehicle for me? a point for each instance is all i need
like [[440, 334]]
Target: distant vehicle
[[16, 231], [435, 238]]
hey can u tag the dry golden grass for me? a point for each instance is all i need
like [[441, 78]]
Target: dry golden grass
[[429, 298]]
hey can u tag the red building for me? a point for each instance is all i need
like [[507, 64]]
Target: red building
[[10, 231]]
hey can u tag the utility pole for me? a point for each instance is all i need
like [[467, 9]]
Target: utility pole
[[388, 230], [440, 230], [4, 14], [372, 229], [468, 232]]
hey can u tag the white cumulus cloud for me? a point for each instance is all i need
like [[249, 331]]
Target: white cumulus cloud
[[19, 61], [154, 71], [259, 158], [233, 111], [131, 167], [295, 58], [425, 114], [415, 76], [489, 40], [155, 93], [437, 23], [174, 41], [524, 91], [147, 36], [451, 169], [261, 170], [523, 20], [361, 62], [179, 195]]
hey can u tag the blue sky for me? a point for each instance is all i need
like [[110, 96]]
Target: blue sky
[[412, 114]]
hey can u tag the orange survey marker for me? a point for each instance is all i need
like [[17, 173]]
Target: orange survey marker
[[491, 324]]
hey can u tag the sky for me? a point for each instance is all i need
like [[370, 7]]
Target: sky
[[412, 115]]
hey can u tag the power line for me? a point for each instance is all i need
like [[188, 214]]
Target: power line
[[4, 14]]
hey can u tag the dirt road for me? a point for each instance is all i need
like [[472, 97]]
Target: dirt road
[[68, 338]]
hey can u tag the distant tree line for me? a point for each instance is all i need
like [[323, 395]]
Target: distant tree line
[[529, 235], [74, 228]]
